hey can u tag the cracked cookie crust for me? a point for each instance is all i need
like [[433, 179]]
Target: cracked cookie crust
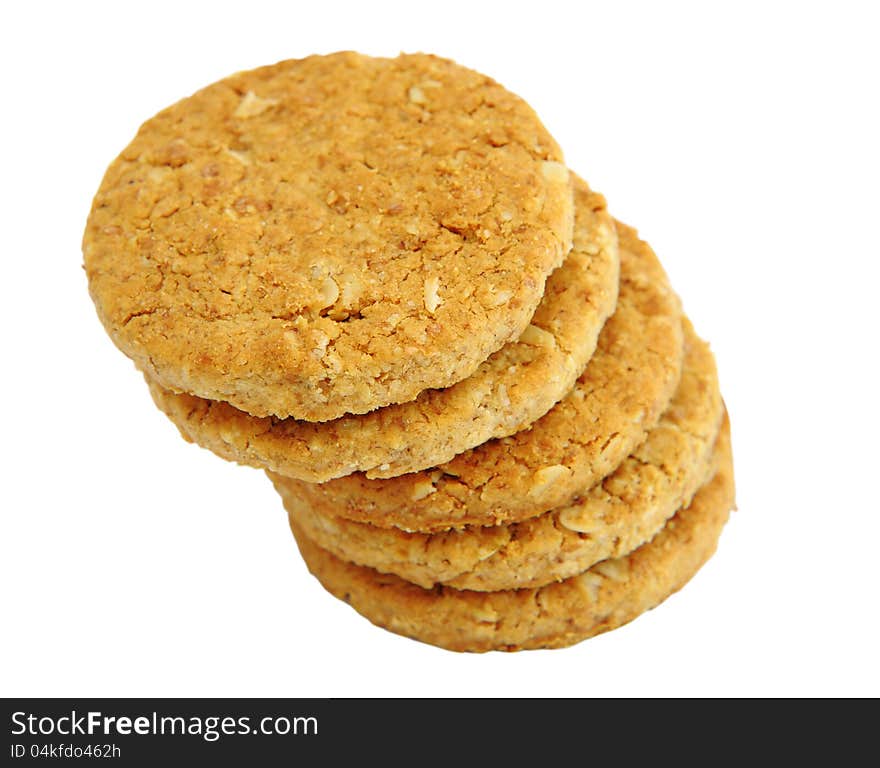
[[328, 235], [614, 517], [515, 386], [606, 596], [625, 387]]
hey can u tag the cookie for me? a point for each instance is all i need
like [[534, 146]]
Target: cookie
[[619, 397], [606, 596], [328, 235], [612, 518], [515, 386]]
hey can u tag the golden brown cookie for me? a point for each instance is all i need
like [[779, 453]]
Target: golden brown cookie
[[612, 518], [619, 397], [328, 235], [515, 386], [606, 596]]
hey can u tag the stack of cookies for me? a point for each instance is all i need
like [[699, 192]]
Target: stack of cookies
[[475, 391]]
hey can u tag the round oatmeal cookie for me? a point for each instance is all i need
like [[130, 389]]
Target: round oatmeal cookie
[[606, 596], [516, 385], [619, 397], [328, 235], [614, 517]]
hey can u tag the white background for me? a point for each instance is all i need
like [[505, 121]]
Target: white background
[[743, 143]]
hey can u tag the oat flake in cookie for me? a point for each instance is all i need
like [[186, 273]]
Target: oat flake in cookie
[[328, 235]]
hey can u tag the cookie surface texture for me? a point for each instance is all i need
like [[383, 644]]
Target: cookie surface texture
[[516, 385], [607, 596], [328, 235], [614, 517], [625, 387]]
